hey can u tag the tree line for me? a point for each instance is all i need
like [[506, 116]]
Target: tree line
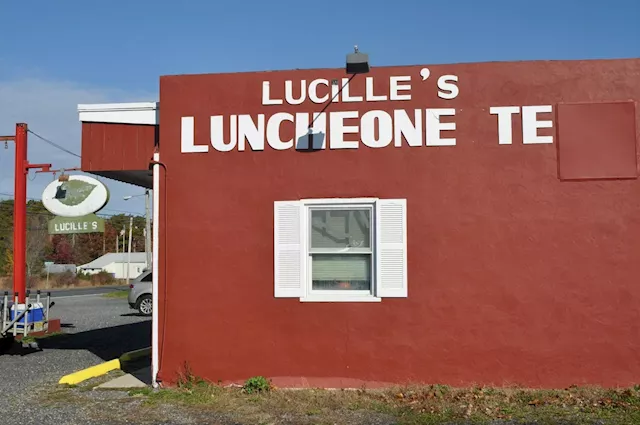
[[63, 249]]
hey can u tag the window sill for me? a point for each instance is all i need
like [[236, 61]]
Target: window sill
[[330, 298]]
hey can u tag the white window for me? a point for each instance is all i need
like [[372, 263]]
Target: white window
[[340, 249]]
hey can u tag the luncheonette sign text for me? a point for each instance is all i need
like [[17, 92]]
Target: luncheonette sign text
[[375, 128]]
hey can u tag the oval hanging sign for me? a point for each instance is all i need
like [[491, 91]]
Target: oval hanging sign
[[75, 197]]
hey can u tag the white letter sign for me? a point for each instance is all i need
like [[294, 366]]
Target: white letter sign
[[505, 132], [530, 124]]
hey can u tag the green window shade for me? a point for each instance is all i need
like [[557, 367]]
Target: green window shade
[[341, 271]]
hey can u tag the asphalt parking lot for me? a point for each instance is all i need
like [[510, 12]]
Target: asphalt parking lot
[[95, 329]]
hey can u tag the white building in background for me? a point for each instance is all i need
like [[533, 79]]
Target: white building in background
[[52, 268], [116, 265]]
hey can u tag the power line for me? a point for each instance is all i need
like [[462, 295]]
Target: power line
[[10, 195], [44, 139], [106, 215], [54, 144]]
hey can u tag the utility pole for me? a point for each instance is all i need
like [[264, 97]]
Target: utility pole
[[147, 227], [21, 170], [123, 233], [129, 256]]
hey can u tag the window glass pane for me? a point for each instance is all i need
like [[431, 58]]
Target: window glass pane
[[341, 272], [341, 228]]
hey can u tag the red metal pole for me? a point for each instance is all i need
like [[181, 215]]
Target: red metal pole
[[20, 214]]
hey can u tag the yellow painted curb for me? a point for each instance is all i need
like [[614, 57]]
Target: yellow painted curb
[[134, 355], [90, 372]]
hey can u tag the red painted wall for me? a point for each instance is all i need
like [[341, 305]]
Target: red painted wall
[[515, 277], [112, 147]]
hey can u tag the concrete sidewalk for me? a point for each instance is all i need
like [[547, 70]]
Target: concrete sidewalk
[[126, 381]]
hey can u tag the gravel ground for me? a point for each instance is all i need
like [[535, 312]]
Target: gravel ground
[[95, 329]]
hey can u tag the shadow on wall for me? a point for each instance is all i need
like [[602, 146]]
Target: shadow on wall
[[310, 142]]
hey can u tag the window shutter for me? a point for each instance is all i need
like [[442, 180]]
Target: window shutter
[[287, 250], [391, 248]]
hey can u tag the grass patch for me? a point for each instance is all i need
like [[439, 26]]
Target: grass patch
[[93, 383], [433, 405], [30, 338], [116, 294], [60, 395]]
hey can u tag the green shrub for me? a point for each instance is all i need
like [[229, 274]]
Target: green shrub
[[62, 280], [83, 276], [257, 384], [102, 278]]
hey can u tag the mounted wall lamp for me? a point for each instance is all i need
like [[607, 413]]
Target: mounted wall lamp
[[357, 63]]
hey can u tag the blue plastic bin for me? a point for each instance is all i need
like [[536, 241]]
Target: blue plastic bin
[[36, 314]]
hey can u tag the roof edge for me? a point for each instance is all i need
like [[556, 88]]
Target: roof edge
[[413, 65], [146, 113]]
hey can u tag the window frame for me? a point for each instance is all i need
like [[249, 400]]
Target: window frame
[[311, 295]]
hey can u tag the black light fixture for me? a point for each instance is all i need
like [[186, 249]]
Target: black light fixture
[[61, 191], [357, 63]]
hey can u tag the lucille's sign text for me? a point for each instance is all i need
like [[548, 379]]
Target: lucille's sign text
[[375, 128]]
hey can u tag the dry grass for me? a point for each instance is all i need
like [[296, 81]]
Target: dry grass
[[116, 294], [6, 283], [198, 402], [420, 405]]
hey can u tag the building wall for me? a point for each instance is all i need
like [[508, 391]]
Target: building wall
[[119, 270], [112, 146], [522, 258]]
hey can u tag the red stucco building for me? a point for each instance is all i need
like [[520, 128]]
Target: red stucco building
[[459, 224]]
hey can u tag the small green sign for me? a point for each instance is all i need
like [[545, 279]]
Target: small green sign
[[89, 223]]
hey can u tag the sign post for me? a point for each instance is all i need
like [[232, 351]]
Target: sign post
[[22, 167], [47, 265]]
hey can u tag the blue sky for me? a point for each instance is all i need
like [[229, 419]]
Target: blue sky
[[55, 54]]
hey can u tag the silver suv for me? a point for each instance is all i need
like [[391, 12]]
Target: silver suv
[[140, 293]]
